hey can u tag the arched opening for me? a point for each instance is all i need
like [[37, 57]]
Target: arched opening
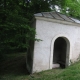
[[59, 53]]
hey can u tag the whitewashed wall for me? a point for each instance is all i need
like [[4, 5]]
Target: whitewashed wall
[[47, 31]]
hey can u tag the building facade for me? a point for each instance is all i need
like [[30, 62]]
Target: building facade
[[59, 45]]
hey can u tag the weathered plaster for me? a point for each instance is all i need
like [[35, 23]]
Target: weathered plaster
[[48, 30]]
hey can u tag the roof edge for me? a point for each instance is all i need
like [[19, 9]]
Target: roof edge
[[57, 21]]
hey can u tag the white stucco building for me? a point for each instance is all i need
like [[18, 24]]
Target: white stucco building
[[60, 43]]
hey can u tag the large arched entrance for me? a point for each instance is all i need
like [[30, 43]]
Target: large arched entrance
[[59, 53]]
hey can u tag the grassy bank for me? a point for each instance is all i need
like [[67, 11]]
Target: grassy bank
[[13, 67]]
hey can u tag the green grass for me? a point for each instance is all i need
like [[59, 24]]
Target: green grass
[[13, 67]]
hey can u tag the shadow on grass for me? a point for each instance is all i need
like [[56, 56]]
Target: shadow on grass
[[14, 64]]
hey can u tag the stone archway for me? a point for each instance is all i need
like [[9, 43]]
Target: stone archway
[[62, 61]]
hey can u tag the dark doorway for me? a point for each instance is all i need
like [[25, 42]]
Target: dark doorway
[[59, 55]]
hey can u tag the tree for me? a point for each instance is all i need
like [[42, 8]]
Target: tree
[[15, 31], [69, 7], [73, 7]]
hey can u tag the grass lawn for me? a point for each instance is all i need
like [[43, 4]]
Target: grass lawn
[[13, 67]]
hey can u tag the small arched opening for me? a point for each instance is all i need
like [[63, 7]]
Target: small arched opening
[[60, 53]]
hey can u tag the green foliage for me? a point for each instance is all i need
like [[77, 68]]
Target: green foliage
[[15, 32], [15, 37], [69, 7], [16, 15], [74, 7]]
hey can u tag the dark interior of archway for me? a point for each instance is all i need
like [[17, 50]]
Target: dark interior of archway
[[59, 55]]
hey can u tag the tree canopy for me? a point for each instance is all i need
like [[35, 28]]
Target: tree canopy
[[70, 7]]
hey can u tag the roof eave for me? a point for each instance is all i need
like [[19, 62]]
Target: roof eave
[[57, 21]]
